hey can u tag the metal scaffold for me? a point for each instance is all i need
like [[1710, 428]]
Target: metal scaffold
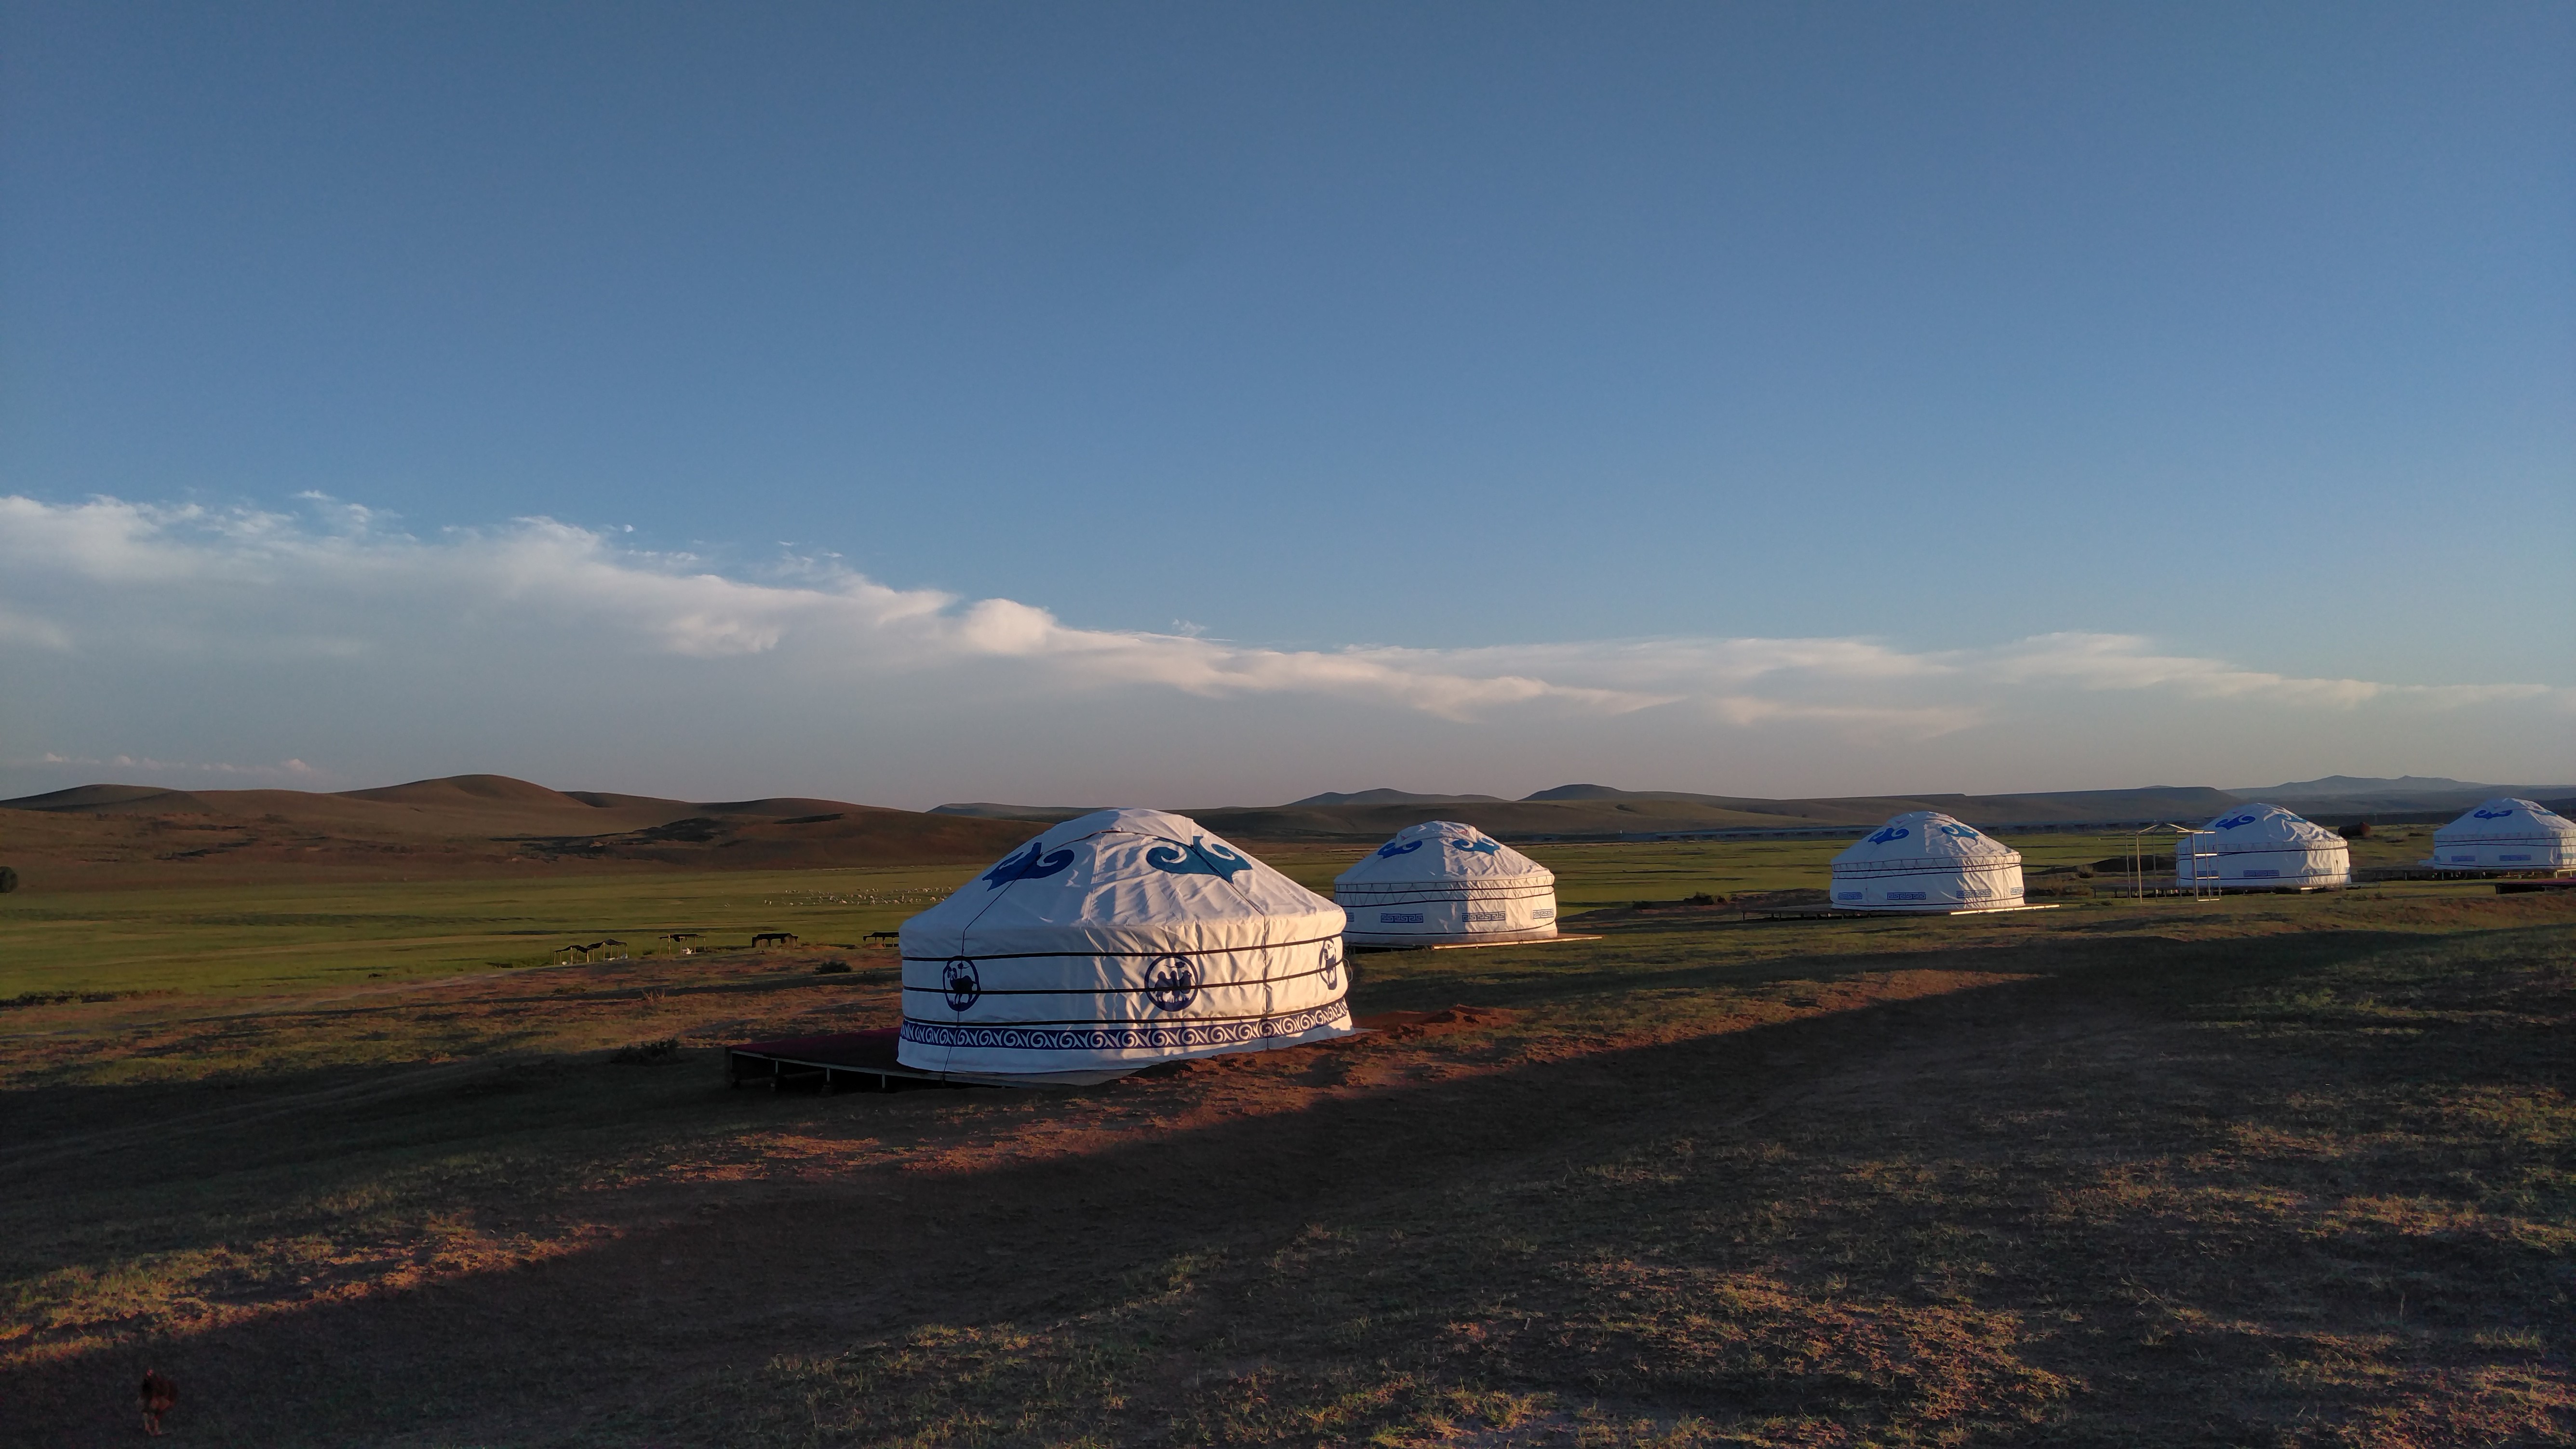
[[2200, 847]]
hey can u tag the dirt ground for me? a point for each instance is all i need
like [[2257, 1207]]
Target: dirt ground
[[2295, 1172]]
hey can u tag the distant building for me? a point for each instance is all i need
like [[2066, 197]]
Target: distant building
[[1441, 883], [1926, 861], [1115, 941], [2506, 834], [2264, 848]]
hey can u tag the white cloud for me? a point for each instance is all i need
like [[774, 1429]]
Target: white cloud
[[294, 770], [490, 624]]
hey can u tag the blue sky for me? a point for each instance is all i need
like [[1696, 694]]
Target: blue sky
[[1465, 342]]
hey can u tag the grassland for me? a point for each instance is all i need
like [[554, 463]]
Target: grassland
[[266, 935], [2294, 1170]]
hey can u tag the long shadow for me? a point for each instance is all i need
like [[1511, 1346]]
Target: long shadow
[[882, 1249]]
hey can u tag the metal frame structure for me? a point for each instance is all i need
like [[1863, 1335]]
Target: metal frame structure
[[2203, 845]]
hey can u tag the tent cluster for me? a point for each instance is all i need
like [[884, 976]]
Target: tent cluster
[[1125, 938], [1130, 937], [1928, 862]]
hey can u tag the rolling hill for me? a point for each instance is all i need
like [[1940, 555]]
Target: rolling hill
[[2357, 795], [457, 826], [1576, 812]]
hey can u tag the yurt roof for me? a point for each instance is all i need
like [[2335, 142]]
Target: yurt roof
[[1120, 880], [1442, 850], [2507, 818], [2268, 827], [1926, 835]]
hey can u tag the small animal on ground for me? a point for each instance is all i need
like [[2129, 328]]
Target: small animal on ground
[[159, 1394], [774, 938]]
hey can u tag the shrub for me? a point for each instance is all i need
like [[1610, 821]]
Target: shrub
[[649, 1053]]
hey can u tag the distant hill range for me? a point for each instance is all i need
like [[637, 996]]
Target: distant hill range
[[462, 825], [1397, 797], [982, 810], [2358, 795], [1577, 812], [483, 825], [1598, 812]]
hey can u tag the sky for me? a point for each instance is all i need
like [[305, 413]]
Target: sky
[[1193, 405]]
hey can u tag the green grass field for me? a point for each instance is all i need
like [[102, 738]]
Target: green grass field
[[255, 938], [2277, 1169]]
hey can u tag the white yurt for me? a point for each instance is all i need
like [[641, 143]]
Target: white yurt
[[2506, 834], [1115, 941], [1441, 883], [1926, 861], [2264, 847]]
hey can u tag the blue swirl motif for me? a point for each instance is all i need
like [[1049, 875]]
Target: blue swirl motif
[[1171, 983], [1391, 850], [2233, 821], [2495, 814], [1332, 971], [1893, 832], [1028, 867], [1477, 847], [1146, 1036], [1958, 832], [1200, 857], [959, 980]]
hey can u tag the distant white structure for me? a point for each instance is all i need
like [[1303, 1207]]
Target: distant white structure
[[2264, 847], [1115, 941], [1927, 861], [1441, 883], [2506, 834]]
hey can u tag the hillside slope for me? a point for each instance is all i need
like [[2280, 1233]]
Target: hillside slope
[[1596, 811], [466, 825]]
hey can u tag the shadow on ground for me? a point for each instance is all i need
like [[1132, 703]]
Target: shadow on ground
[[2309, 1189]]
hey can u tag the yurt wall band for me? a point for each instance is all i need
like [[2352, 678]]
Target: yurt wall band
[[1112, 942], [1441, 883], [1926, 861], [2506, 834], [2264, 847]]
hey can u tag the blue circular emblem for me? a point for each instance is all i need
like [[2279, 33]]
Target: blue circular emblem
[[959, 980], [1171, 982], [1332, 965]]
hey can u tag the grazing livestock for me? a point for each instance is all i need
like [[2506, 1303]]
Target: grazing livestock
[[889, 937], [159, 1396], [774, 938]]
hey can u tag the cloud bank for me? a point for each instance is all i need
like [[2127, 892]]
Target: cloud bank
[[173, 632]]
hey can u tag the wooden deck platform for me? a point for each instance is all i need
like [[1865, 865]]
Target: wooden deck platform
[[844, 1061]]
